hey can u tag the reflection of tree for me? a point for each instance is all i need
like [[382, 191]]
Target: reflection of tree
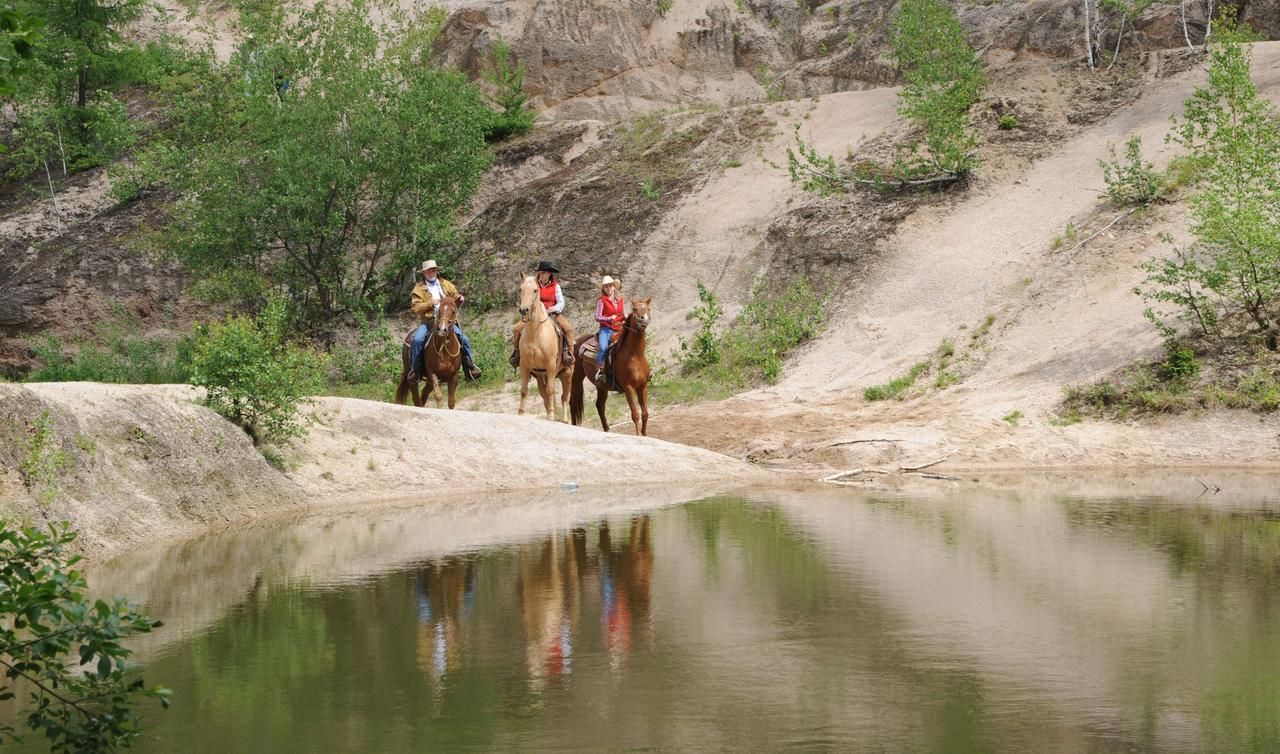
[[550, 603], [446, 592], [626, 577]]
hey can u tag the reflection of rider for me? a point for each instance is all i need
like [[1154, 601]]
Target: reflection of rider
[[425, 302], [446, 594], [550, 597], [610, 317], [552, 298], [625, 580]]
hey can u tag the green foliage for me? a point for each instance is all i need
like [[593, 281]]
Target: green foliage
[[114, 351], [65, 651], [1007, 122], [373, 358], [752, 349], [64, 115], [704, 349], [943, 78], [773, 86], [327, 156], [19, 35], [1130, 180], [514, 117], [664, 7], [1231, 133], [650, 190], [43, 460], [254, 376], [1012, 418], [813, 171], [1180, 365]]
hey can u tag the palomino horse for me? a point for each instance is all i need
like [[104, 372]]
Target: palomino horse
[[540, 350], [630, 371], [443, 357]]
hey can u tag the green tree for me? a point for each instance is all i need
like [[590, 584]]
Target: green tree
[[513, 118], [63, 650], [326, 157], [943, 78], [1234, 141], [84, 39]]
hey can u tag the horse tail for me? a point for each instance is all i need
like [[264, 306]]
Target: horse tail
[[402, 390], [576, 392]]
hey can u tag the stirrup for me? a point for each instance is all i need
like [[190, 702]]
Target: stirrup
[[514, 359]]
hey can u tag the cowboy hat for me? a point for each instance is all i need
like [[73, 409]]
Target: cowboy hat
[[606, 280], [546, 266], [430, 264]]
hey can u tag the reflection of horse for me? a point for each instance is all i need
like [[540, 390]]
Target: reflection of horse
[[626, 578], [550, 603], [628, 367], [445, 592], [540, 350], [442, 356]]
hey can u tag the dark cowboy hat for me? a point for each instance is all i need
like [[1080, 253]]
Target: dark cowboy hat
[[545, 266]]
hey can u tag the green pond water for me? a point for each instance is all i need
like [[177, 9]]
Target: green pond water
[[808, 620]]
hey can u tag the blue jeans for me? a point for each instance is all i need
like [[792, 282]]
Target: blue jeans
[[602, 344], [420, 340]]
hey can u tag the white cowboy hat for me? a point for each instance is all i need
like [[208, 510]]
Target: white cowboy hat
[[606, 280], [430, 264]]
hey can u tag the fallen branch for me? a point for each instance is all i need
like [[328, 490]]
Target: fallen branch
[[1119, 217], [903, 469], [838, 443], [927, 475]]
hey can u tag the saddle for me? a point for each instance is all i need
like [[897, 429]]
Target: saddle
[[587, 352]]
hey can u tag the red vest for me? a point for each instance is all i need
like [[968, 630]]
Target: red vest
[[547, 293], [612, 310]]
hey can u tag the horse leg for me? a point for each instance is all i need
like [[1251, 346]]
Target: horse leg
[[632, 400], [565, 380], [453, 389], [644, 410], [524, 385], [547, 392], [436, 393], [418, 398], [602, 397]]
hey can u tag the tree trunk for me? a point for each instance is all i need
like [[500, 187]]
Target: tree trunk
[[1088, 35], [82, 88]]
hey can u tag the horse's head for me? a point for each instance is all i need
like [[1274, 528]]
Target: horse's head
[[528, 293], [640, 313], [447, 315]]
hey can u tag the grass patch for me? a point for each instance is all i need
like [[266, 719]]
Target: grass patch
[[896, 387], [1183, 380], [116, 351], [1012, 418]]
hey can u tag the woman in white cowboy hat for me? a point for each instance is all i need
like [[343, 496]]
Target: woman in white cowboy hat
[[610, 316], [425, 302]]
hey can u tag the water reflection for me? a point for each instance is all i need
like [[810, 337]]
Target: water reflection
[[810, 620]]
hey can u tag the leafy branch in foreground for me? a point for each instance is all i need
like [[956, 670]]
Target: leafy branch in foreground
[[65, 648]]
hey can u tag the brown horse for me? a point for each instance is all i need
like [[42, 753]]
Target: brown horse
[[629, 370], [540, 350], [443, 357]]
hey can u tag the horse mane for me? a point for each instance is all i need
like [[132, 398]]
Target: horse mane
[[628, 326]]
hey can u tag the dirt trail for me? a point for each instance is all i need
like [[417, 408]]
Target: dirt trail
[[131, 464]]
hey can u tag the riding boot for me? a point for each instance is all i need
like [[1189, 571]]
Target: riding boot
[[515, 358], [469, 368]]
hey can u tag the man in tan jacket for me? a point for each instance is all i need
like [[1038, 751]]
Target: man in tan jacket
[[425, 302]]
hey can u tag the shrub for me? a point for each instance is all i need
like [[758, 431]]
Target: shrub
[[704, 349], [1007, 122], [1130, 180], [897, 386], [514, 117], [1180, 364], [114, 351], [65, 650], [253, 376]]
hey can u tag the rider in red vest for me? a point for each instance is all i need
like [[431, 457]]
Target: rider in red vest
[[610, 317], [553, 299]]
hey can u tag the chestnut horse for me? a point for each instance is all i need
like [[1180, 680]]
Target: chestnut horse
[[443, 356], [540, 350], [630, 371]]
